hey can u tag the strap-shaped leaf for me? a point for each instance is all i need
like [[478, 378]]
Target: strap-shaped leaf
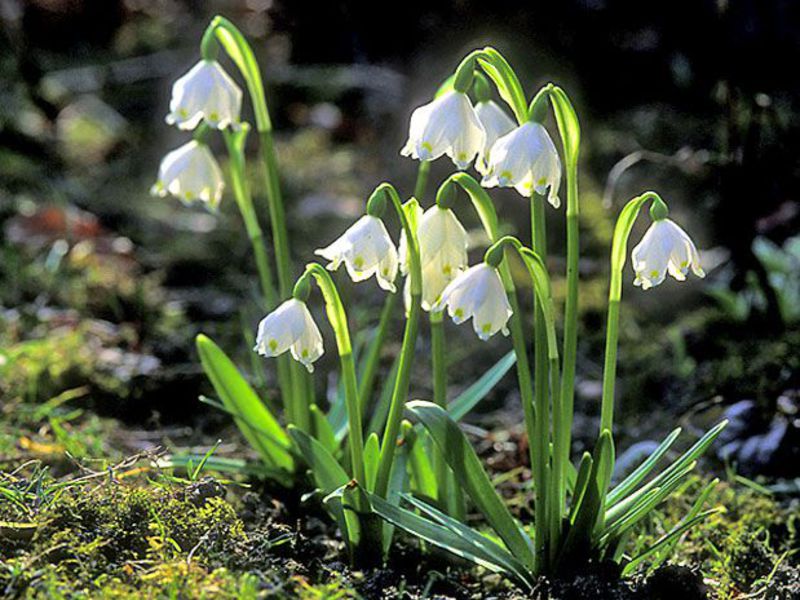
[[486, 554], [581, 485], [423, 479], [643, 470], [322, 430], [691, 455], [666, 539], [646, 503], [469, 535], [667, 549], [466, 400], [466, 466], [372, 451], [578, 541], [237, 395], [328, 476]]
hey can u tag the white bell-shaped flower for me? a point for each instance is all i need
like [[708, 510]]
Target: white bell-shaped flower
[[448, 125], [207, 93], [366, 250], [190, 173], [496, 123], [442, 249], [525, 159], [290, 327], [478, 293], [665, 248]]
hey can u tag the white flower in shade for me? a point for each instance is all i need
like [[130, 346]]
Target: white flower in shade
[[207, 93], [665, 248], [496, 123], [525, 159], [290, 327], [478, 293], [190, 173], [442, 249], [366, 250], [448, 125]]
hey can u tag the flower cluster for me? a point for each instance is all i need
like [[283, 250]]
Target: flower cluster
[[521, 157], [205, 95]]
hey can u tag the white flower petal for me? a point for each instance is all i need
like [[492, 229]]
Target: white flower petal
[[207, 93], [366, 250], [447, 125], [191, 173], [527, 160], [478, 293], [290, 327], [664, 248], [496, 123]]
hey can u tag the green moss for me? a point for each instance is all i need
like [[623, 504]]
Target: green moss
[[737, 549]]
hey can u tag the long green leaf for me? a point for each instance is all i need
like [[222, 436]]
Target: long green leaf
[[637, 475], [466, 401], [422, 475], [328, 476], [372, 451], [470, 535], [467, 468], [497, 559], [322, 430], [666, 539], [239, 397], [691, 455], [578, 541]]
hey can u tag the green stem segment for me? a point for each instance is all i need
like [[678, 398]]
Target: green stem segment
[[484, 207], [235, 142], [400, 392], [619, 251], [338, 320], [542, 436], [221, 32], [550, 526], [439, 367]]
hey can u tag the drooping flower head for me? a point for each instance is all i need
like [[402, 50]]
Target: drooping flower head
[[665, 248], [443, 252], [366, 250], [448, 125], [525, 159], [496, 123], [290, 327], [478, 293], [206, 93], [190, 173]]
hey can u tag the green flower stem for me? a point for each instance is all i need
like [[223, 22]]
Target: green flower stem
[[550, 528], [488, 216], [619, 251], [239, 50], [367, 381], [338, 320], [422, 180], [541, 440], [234, 142], [569, 131], [400, 392], [439, 367]]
